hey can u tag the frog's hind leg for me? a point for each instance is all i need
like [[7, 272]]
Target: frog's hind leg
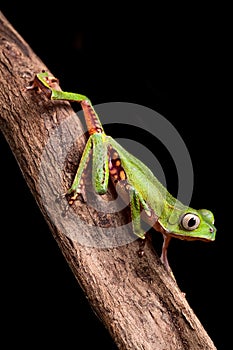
[[76, 187], [135, 208]]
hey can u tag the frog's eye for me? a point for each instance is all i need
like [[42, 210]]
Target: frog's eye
[[190, 221]]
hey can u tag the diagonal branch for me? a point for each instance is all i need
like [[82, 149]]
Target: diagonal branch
[[139, 304]]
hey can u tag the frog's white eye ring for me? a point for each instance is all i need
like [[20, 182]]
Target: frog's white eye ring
[[190, 221]]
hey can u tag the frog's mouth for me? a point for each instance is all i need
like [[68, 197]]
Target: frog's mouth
[[190, 238]]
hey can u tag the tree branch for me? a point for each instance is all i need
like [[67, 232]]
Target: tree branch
[[138, 302]]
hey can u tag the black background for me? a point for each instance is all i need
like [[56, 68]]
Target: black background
[[174, 61]]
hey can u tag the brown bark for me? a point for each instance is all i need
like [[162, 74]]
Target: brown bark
[[138, 302]]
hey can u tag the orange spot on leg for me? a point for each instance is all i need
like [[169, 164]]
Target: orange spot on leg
[[113, 171], [122, 175]]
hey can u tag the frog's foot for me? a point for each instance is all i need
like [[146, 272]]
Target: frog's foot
[[71, 197], [77, 194], [142, 243]]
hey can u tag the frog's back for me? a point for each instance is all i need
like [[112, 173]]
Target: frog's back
[[144, 181]]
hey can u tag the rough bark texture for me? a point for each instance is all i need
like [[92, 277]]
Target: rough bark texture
[[140, 305]]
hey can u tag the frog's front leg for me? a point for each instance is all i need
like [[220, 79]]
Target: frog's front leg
[[163, 258]]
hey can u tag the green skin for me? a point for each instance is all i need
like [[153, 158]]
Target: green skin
[[134, 180]]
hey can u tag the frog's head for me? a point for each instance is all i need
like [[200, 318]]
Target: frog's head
[[191, 224]]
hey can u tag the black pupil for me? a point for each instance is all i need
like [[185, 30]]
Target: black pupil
[[191, 222]]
